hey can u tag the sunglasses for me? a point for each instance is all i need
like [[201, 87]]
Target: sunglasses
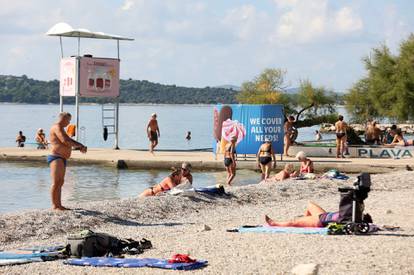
[[183, 169]]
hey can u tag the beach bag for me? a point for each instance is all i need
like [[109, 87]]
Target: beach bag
[[90, 244], [345, 207]]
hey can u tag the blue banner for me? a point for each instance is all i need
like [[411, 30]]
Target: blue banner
[[251, 124]]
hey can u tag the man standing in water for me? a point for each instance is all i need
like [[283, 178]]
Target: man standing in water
[[61, 148], [153, 132]]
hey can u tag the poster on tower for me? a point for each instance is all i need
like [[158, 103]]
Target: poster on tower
[[98, 77]]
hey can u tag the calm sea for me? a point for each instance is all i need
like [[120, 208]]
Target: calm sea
[[174, 122], [26, 186]]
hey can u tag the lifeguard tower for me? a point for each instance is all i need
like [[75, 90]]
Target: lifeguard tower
[[88, 76]]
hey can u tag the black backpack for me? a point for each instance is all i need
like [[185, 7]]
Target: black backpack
[[90, 244]]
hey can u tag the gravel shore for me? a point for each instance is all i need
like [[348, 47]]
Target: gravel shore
[[175, 224]]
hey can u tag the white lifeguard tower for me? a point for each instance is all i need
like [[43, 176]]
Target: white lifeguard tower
[[87, 76]]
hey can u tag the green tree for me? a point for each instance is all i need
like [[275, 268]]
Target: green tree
[[312, 106], [388, 88]]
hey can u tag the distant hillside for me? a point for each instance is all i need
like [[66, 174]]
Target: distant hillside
[[231, 87], [21, 89]]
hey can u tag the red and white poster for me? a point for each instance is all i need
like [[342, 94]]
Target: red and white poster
[[68, 76], [99, 77]]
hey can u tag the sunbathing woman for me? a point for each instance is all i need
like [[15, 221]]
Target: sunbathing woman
[[286, 173], [166, 184], [399, 139], [306, 165], [314, 216]]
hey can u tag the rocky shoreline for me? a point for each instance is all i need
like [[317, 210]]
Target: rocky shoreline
[[177, 224]]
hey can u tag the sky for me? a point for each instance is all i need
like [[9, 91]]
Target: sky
[[201, 43]]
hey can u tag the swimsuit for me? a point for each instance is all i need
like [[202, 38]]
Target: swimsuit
[[153, 136], [51, 158], [227, 162], [328, 217], [265, 160], [340, 135]]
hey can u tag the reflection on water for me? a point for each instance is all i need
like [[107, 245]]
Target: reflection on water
[[26, 186]]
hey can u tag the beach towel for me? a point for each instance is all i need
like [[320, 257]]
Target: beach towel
[[23, 257], [278, 229], [135, 262], [335, 174], [210, 190]]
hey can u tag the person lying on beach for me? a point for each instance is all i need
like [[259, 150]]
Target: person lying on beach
[[286, 173], [399, 139], [314, 216], [306, 165], [166, 184]]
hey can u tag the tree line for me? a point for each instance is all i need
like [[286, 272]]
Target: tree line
[[22, 89]]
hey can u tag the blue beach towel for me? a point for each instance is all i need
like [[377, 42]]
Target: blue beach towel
[[290, 230], [135, 262], [23, 257]]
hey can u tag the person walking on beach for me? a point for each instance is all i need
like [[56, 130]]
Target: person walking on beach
[[20, 139], [288, 128], [153, 132], [340, 131], [265, 155], [230, 159], [61, 148]]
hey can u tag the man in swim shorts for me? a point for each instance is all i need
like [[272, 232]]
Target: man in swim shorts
[[60, 150], [153, 132]]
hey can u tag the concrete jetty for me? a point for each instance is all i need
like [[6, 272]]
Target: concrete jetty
[[135, 159]]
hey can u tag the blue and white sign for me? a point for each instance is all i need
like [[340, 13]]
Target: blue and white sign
[[251, 124]]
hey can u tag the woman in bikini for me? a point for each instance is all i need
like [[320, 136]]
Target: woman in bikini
[[306, 165], [230, 159], [399, 139], [288, 129], [340, 131], [166, 184], [286, 173], [314, 216], [264, 158]]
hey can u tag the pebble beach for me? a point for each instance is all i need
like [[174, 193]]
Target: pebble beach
[[177, 224]]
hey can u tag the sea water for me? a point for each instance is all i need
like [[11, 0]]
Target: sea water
[[26, 185]]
